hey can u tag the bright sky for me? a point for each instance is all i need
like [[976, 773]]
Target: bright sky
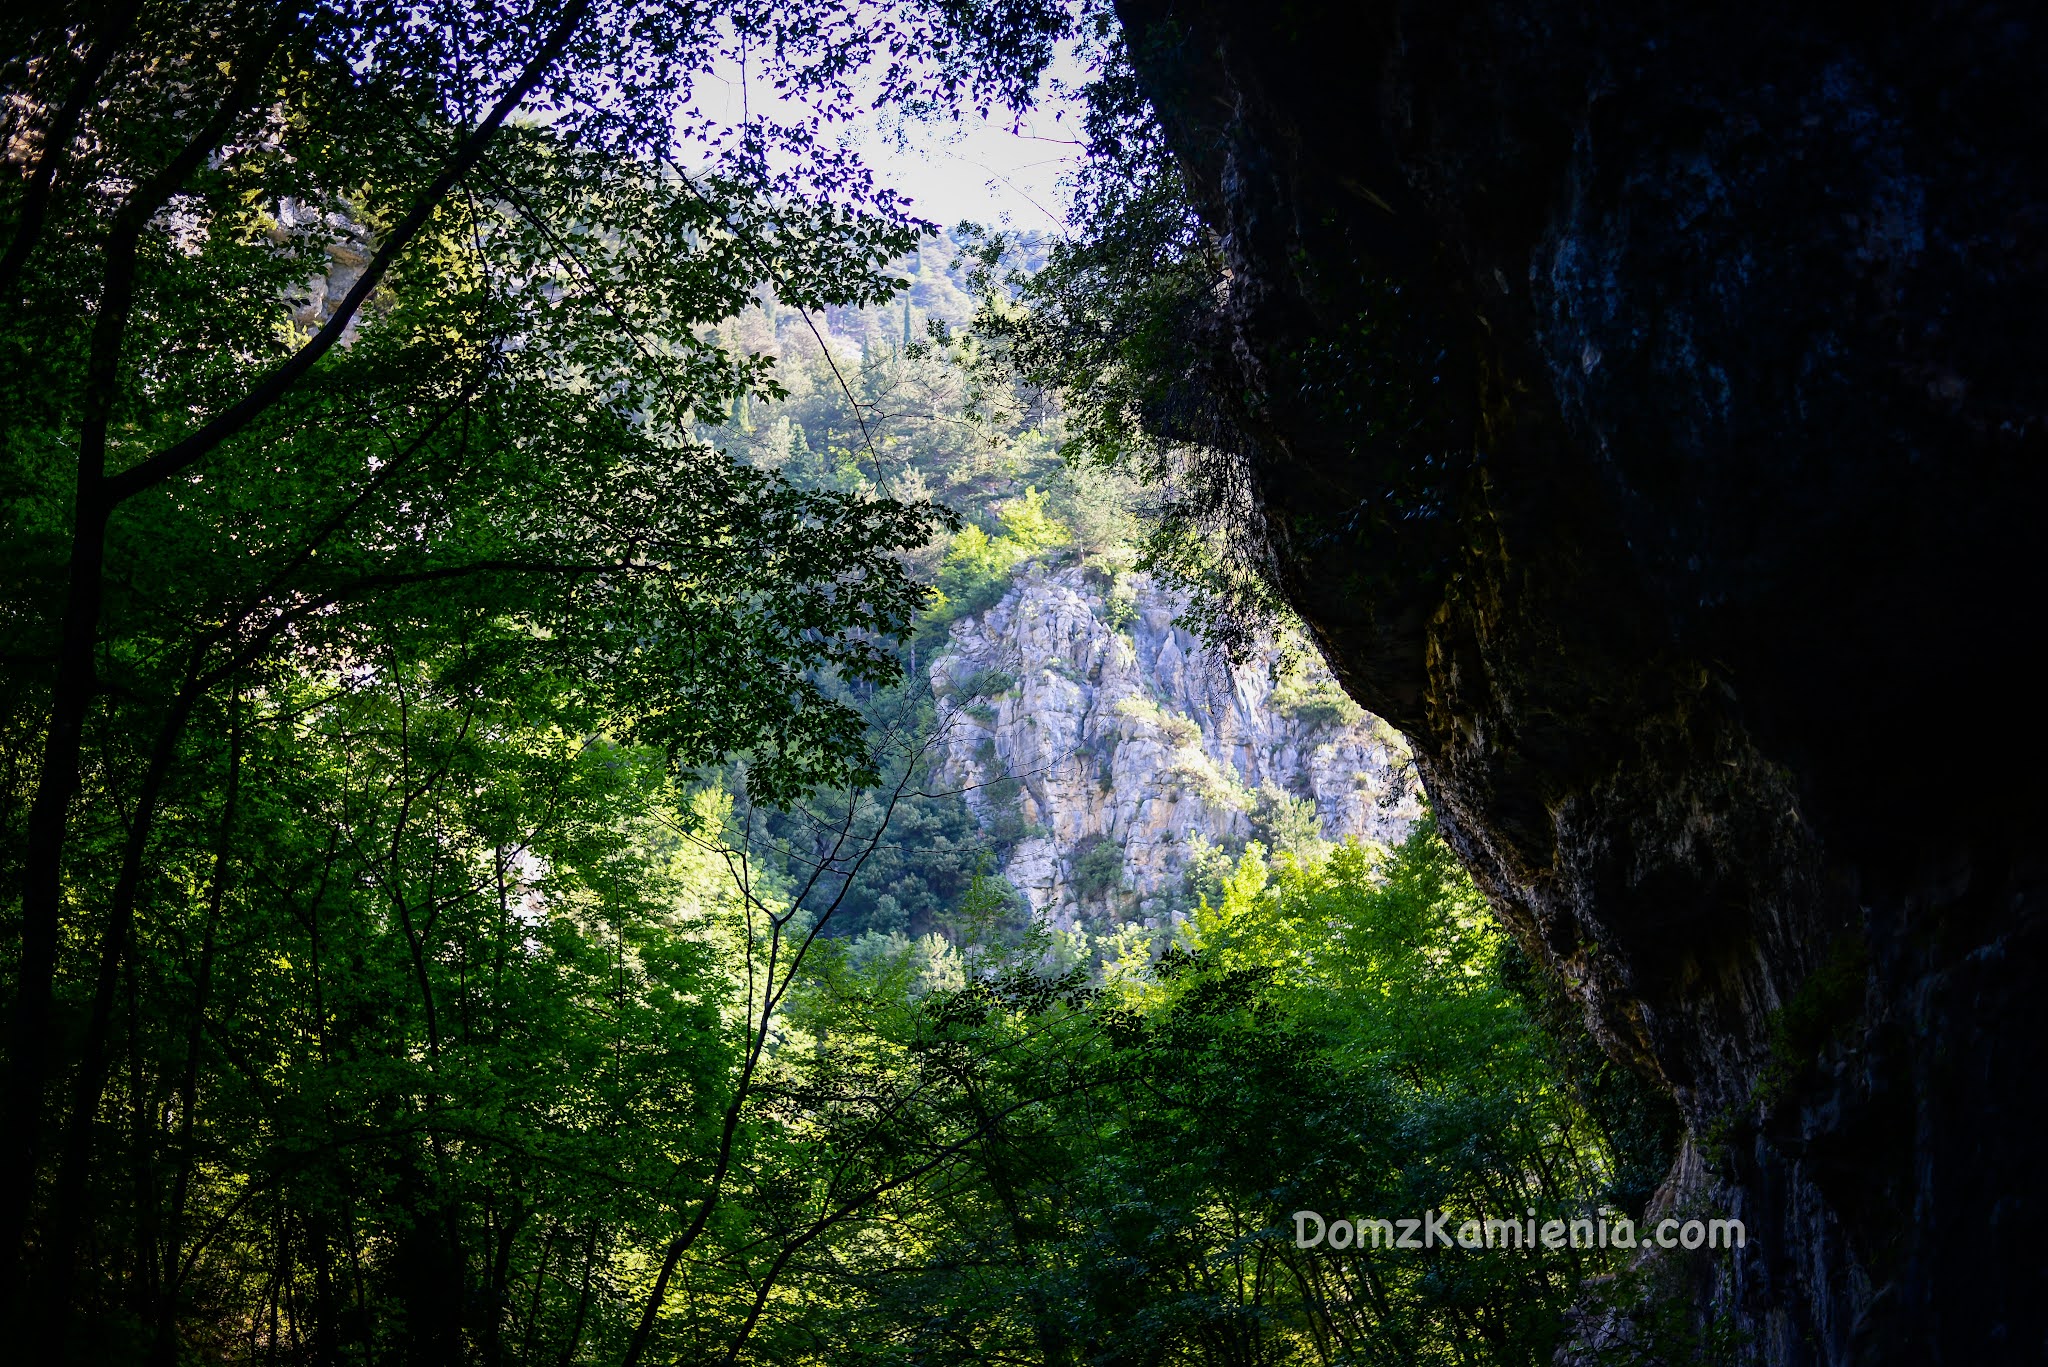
[[975, 169]]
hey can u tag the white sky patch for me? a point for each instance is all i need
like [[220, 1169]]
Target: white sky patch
[[1003, 171]]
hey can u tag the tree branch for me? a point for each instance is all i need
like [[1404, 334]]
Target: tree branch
[[57, 140], [170, 461]]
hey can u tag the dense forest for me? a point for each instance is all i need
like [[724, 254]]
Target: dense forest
[[478, 889]]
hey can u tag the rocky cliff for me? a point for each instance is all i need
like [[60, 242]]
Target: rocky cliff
[[1109, 744], [1646, 405]]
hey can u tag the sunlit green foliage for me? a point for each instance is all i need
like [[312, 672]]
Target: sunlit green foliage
[[860, 408], [1337, 1035], [369, 593]]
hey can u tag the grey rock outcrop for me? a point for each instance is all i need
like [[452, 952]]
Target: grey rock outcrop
[[1083, 720]]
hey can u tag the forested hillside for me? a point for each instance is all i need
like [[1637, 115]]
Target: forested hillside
[[1083, 743]]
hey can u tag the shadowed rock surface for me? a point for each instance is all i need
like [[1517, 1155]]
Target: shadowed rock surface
[[1647, 403]]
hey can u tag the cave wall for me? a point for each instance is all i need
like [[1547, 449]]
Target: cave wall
[[1647, 405]]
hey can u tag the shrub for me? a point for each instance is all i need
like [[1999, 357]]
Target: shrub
[[974, 575], [986, 683], [1002, 803], [1028, 527], [1318, 703], [1098, 866], [1105, 761], [1120, 604]]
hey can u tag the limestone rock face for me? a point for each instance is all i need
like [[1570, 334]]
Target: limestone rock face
[[1081, 723]]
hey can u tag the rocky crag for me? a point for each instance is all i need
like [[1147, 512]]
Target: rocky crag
[[1647, 405], [1105, 745]]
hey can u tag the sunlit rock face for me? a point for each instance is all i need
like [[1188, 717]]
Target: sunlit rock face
[[1648, 403], [1070, 722]]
